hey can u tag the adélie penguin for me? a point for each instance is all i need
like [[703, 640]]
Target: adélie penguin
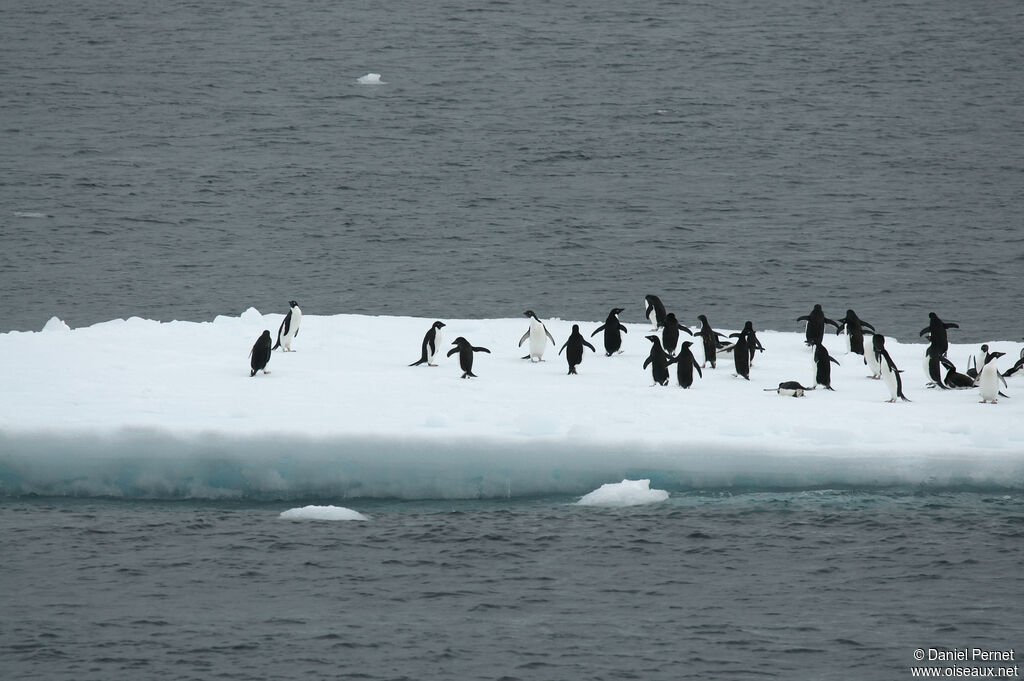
[[976, 361], [753, 344], [823, 366], [816, 320], [854, 327], [613, 330], [574, 348], [289, 327], [871, 356], [789, 389], [936, 331], [431, 342], [654, 310], [989, 378], [891, 375], [709, 340], [658, 360], [741, 356], [538, 335], [955, 380], [933, 366], [466, 350], [259, 356], [670, 334], [685, 364]]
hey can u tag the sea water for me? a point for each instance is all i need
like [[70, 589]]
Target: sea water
[[179, 160], [825, 584]]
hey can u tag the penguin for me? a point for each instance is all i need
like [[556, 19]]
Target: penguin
[[289, 327], [988, 379], [431, 342], [466, 350], [613, 330], [954, 380], [789, 389], [936, 330], [871, 356], [654, 311], [979, 361], [891, 375], [741, 356], [816, 320], [822, 366], [658, 360], [670, 334], [259, 356], [753, 344], [933, 367], [685, 364], [574, 356], [1018, 365], [538, 335], [854, 326], [710, 341]]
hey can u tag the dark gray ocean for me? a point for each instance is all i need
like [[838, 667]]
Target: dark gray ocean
[[172, 159], [175, 159]]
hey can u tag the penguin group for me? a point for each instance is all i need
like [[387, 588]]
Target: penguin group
[[666, 349]]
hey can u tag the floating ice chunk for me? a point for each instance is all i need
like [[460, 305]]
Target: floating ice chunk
[[55, 325], [322, 513], [370, 79], [625, 493], [251, 315]]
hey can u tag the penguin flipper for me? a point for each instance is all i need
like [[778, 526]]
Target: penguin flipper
[[598, 330], [623, 329], [647, 362], [803, 318], [592, 348], [418, 362], [697, 367], [523, 339], [548, 333], [452, 351], [563, 347], [864, 323], [476, 349], [686, 329]]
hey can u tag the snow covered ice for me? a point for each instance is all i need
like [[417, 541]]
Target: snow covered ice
[[322, 513], [142, 408], [625, 493]]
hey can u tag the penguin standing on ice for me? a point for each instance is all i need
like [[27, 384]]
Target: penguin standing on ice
[[823, 366], [854, 326], [670, 334], [658, 360], [289, 327], [891, 375], [709, 338], [654, 310], [538, 335], [989, 378], [466, 350], [753, 344], [685, 364], [871, 356], [259, 356], [816, 320], [741, 355], [934, 367], [936, 331], [613, 330], [575, 344], [431, 342]]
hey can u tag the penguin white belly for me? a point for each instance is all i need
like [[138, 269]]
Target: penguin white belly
[[433, 354], [538, 340], [293, 328], [988, 383], [872, 361], [889, 376]]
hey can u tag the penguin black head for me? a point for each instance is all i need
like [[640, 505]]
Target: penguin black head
[[687, 344], [702, 318], [993, 355], [292, 303], [932, 315], [529, 313], [749, 326], [817, 306], [617, 310], [575, 328], [438, 325], [653, 339], [460, 341]]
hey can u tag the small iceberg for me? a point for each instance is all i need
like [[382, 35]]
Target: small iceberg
[[625, 493], [370, 79], [56, 325], [322, 513]]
